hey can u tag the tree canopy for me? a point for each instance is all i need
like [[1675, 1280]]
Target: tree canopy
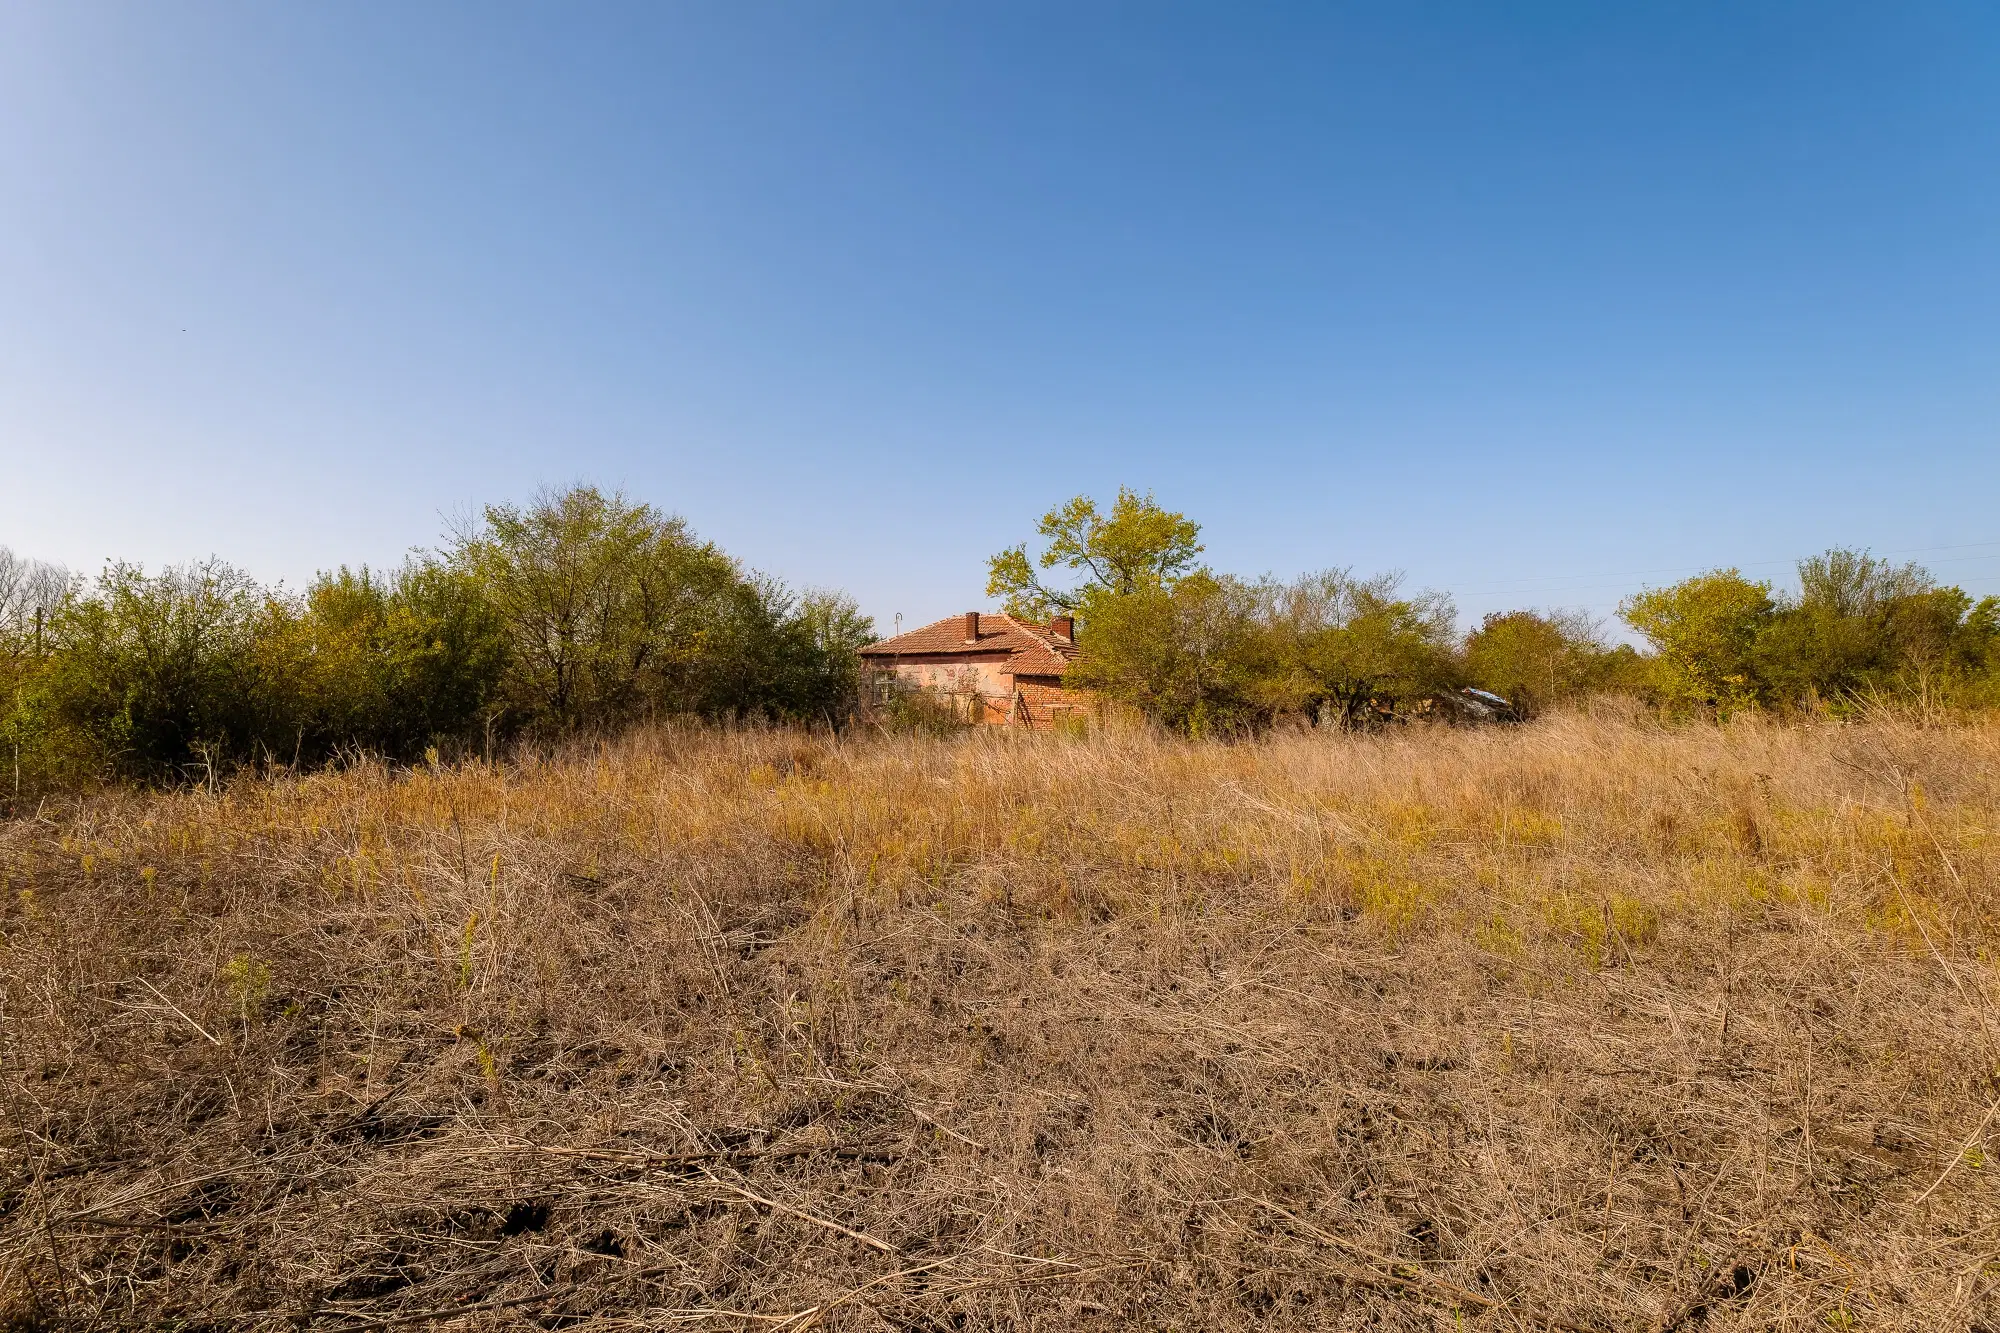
[[1137, 546], [1857, 627], [578, 611], [1338, 643]]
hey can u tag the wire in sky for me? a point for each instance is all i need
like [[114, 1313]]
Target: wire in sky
[[1557, 583]]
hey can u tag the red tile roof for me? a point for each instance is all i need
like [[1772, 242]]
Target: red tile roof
[[1034, 650]]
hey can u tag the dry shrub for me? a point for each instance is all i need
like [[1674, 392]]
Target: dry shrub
[[1589, 1025]]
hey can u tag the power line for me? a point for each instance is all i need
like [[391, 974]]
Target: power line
[[1556, 583]]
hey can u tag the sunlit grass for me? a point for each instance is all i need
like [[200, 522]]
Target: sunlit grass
[[1112, 974]]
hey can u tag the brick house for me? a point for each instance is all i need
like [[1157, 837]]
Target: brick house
[[999, 671]]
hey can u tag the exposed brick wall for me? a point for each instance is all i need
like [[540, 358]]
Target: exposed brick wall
[[1046, 702], [989, 695]]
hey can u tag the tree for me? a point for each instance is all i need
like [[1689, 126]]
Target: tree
[[395, 665], [1537, 660], [1165, 637], [824, 633], [613, 610], [157, 674], [610, 606], [1338, 644], [442, 651], [578, 610], [1705, 631], [1183, 653], [1859, 623], [784, 655], [31, 594], [1831, 637], [1137, 546], [30, 591]]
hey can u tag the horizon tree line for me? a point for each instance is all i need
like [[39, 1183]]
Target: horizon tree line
[[580, 612], [583, 612], [1204, 652]]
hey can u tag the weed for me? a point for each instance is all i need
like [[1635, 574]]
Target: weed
[[248, 983]]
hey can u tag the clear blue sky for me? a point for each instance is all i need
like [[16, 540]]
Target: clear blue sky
[[1538, 303]]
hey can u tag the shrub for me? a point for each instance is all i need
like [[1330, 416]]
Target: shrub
[[1186, 654], [1538, 660], [154, 676], [608, 605], [1857, 628], [1705, 631], [1348, 650]]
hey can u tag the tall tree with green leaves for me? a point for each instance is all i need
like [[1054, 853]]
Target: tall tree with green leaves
[[393, 664], [156, 674], [1136, 546], [781, 654], [1860, 625], [1185, 654]]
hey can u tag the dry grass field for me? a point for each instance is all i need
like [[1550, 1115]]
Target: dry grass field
[[1593, 1024]]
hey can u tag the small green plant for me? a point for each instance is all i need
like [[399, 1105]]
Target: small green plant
[[248, 982], [488, 1066], [465, 952]]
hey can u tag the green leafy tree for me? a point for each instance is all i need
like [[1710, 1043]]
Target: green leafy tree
[[1976, 649], [1536, 660], [314, 678], [390, 665], [1836, 635], [442, 650], [1860, 625], [156, 675], [611, 607], [1135, 547], [782, 655], [1704, 631], [613, 610], [1165, 636], [36, 751], [1344, 649], [823, 633], [1185, 653], [577, 610]]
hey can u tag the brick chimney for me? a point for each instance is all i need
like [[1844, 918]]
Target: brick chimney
[[972, 627], [1063, 627]]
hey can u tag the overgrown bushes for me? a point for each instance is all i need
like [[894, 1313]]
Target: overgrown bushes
[[1857, 629], [584, 611], [580, 611], [1201, 652]]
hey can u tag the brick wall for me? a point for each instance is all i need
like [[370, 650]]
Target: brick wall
[[1047, 702], [987, 694]]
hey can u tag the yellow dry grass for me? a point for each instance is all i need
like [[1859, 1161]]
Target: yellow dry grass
[[1592, 1024]]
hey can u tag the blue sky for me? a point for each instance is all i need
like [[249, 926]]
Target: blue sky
[[1538, 303]]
